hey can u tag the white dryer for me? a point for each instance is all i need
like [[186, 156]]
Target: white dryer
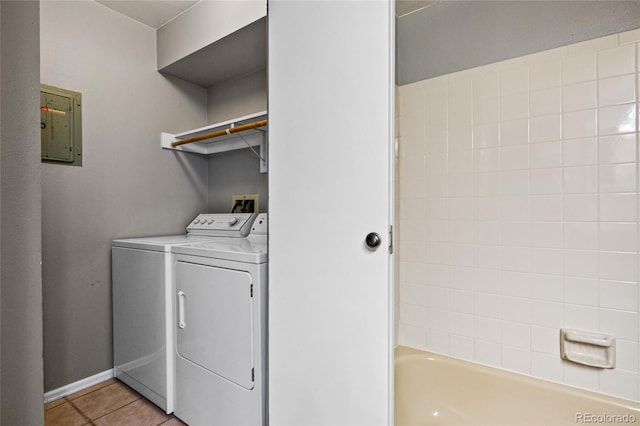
[[220, 325], [143, 308]]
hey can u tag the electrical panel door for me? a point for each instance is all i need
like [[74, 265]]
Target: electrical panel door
[[60, 125]]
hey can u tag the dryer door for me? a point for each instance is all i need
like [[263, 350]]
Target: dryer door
[[214, 321]]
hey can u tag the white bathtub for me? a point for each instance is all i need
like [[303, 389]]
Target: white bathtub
[[432, 389]]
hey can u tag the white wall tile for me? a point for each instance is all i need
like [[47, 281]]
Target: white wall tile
[[620, 383], [545, 155], [629, 36], [515, 233], [618, 177], [486, 184], [546, 208], [622, 324], [618, 207], [514, 157], [413, 336], [617, 149], [578, 208], [514, 208], [460, 161], [546, 181], [546, 366], [546, 261], [515, 182], [581, 263], [577, 68], [546, 128], [579, 96], [619, 266], [487, 281], [486, 208], [579, 124], [581, 291], [616, 61], [516, 309], [486, 160], [486, 110], [413, 315], [462, 301], [414, 294], [514, 81], [487, 353], [581, 235], [543, 75], [580, 376], [617, 119], [619, 295], [517, 335], [487, 233], [515, 284], [460, 138], [486, 135], [460, 208], [546, 234], [462, 254], [514, 132], [547, 315], [487, 257], [462, 347], [486, 305], [516, 359], [545, 340], [580, 152], [626, 355], [516, 259], [618, 236], [617, 90], [437, 341], [580, 317], [580, 180], [462, 278], [460, 185], [546, 287], [513, 107]]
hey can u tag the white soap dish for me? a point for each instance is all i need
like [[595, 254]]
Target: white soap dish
[[588, 348]]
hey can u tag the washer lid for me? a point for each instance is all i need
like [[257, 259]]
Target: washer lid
[[247, 250], [159, 243]]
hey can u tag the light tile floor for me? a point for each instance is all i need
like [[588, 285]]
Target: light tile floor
[[108, 403]]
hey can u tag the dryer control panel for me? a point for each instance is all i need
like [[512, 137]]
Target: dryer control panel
[[222, 224]]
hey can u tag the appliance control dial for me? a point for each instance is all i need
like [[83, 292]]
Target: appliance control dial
[[233, 221]]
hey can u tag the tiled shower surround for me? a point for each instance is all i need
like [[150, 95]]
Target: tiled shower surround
[[518, 211]]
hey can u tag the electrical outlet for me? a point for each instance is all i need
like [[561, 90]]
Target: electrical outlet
[[245, 203]]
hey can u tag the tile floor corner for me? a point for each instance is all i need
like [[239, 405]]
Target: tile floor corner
[[107, 403]]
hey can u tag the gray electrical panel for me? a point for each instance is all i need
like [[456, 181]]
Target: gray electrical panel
[[61, 125]]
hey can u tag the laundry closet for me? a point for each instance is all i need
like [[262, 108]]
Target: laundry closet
[[330, 66]]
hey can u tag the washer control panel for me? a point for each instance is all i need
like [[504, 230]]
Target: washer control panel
[[222, 224]]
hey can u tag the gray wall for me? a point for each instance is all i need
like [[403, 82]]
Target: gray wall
[[20, 230], [127, 186], [236, 172], [451, 36]]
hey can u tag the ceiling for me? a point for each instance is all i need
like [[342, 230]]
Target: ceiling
[[156, 13]]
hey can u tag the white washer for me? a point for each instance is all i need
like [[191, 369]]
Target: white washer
[[221, 329], [143, 308]]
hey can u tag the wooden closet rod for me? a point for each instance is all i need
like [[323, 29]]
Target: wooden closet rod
[[217, 133]]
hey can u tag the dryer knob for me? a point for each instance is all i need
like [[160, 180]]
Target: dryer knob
[[233, 221]]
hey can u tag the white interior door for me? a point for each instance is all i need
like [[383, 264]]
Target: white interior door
[[331, 85]]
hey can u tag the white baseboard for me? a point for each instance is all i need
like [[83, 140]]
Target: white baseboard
[[78, 386]]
